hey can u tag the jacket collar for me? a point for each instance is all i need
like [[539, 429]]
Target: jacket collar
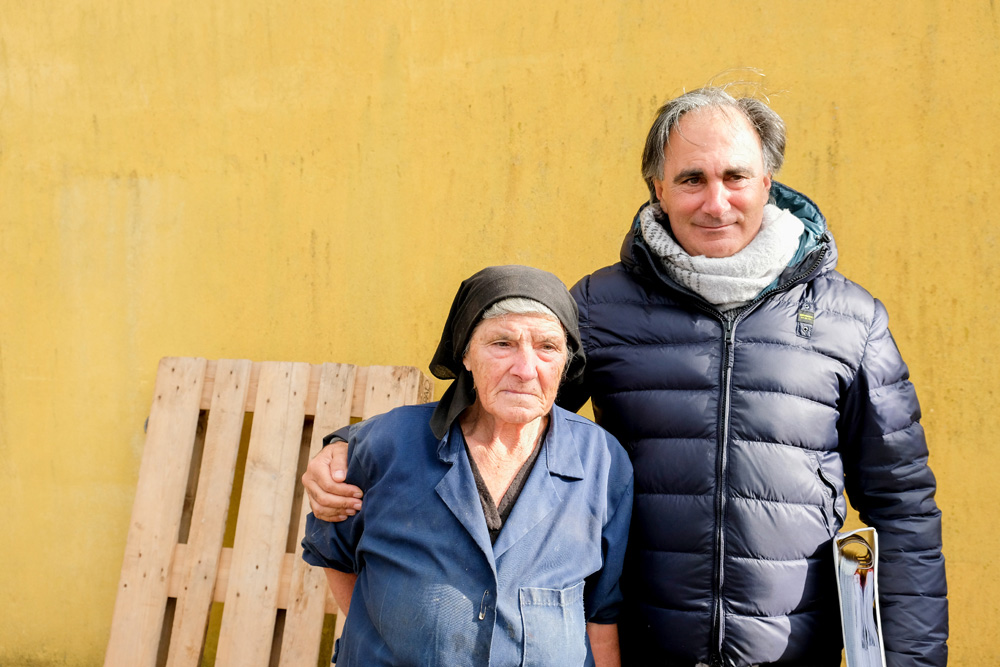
[[561, 454]]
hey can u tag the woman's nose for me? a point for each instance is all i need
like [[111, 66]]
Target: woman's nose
[[525, 364]]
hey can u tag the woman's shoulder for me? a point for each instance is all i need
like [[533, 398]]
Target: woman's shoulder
[[580, 423], [592, 439], [385, 431], [402, 416]]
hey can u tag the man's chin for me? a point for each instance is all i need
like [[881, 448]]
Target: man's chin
[[721, 244]]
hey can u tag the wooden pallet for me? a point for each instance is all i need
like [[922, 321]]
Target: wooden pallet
[[175, 564]]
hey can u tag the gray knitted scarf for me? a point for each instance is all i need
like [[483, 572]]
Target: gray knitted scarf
[[728, 282]]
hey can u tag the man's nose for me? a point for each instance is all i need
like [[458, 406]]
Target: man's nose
[[716, 200]]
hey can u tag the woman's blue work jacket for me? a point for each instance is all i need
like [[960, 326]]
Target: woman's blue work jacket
[[432, 590]]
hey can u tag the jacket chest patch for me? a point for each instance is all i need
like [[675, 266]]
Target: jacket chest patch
[[804, 320]]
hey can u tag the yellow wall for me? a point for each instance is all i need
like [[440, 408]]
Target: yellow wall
[[310, 180]]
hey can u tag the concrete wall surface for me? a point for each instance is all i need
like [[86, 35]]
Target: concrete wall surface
[[311, 180]]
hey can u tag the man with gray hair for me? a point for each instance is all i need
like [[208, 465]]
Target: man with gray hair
[[752, 385]]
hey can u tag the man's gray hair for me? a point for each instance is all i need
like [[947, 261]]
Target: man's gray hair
[[768, 124]]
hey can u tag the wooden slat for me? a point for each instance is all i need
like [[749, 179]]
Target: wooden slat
[[167, 588], [389, 387], [208, 524], [409, 378], [309, 593], [182, 558], [156, 514], [262, 527]]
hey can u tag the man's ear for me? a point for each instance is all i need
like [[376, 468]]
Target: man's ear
[[658, 187]]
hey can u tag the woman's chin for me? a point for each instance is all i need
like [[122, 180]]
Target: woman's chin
[[518, 414]]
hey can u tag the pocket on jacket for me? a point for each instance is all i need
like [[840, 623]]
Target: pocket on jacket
[[554, 626], [831, 502]]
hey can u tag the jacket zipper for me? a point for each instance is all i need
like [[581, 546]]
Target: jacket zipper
[[722, 459], [722, 462]]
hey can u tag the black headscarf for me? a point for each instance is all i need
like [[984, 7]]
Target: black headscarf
[[475, 295]]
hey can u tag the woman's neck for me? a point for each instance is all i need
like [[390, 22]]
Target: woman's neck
[[499, 448]]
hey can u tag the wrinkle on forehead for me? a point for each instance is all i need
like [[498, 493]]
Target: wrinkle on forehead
[[739, 152], [732, 119]]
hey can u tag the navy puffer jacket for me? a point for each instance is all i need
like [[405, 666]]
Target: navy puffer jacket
[[744, 430]]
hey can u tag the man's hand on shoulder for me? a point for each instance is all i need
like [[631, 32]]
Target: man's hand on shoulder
[[330, 497]]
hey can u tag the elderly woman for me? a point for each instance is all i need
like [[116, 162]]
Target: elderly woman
[[494, 524]]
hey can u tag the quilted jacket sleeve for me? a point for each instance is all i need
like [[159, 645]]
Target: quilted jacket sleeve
[[890, 484]]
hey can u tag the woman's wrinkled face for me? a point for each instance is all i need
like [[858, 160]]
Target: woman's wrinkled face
[[517, 363]]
